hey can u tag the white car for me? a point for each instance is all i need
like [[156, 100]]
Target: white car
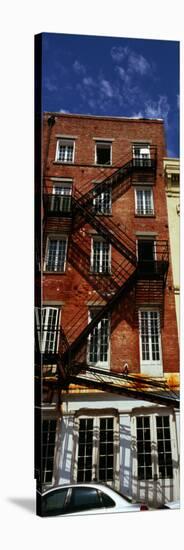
[[83, 498]]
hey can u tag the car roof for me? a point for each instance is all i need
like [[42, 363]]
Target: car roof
[[95, 484]]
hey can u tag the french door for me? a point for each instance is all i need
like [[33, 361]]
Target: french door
[[141, 155], [155, 460], [97, 451], [47, 326]]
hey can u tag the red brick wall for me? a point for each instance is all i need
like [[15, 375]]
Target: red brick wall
[[73, 288]]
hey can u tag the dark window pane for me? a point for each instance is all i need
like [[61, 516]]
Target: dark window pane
[[140, 473], [103, 423], [102, 461], [53, 503], [169, 471], [88, 462], [102, 475], [81, 463], [146, 421], [110, 422], [159, 421], [90, 423], [147, 447], [81, 449], [103, 448], [82, 424], [140, 446], [88, 475], [141, 460], [139, 422], [148, 473], [110, 435], [109, 448], [166, 421], [89, 449], [160, 446], [109, 474], [81, 437], [107, 501], [84, 498], [80, 475], [89, 437], [168, 445], [147, 459]]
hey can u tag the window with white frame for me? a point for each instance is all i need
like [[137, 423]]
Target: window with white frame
[[96, 450], [150, 341], [100, 256], [141, 155], [102, 202], [154, 452], [144, 201], [61, 197], [98, 341], [65, 150], [48, 449], [103, 153], [56, 254], [47, 328]]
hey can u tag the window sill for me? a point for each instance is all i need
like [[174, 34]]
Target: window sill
[[97, 274], [63, 162], [45, 272], [103, 165], [145, 216]]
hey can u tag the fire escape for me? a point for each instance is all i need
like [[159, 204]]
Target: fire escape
[[65, 362]]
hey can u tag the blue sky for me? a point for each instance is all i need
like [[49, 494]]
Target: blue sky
[[113, 76]]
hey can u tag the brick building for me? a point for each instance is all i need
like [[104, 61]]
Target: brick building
[[108, 338]]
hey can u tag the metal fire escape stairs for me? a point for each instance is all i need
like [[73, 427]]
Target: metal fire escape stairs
[[125, 278]]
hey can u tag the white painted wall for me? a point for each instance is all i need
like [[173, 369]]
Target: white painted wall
[[64, 455]]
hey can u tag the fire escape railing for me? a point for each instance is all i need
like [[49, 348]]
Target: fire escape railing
[[81, 208]]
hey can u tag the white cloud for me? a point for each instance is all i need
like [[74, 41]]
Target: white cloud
[[106, 88], [137, 63], [89, 81], [64, 111], [78, 67], [138, 115], [50, 85], [158, 109], [122, 74], [118, 53]]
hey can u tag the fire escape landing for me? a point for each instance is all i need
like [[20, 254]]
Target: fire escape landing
[[60, 368]]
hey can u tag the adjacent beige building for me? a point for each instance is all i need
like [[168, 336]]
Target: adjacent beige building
[[172, 179]]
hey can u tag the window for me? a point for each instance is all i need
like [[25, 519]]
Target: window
[[146, 248], [154, 453], [47, 329], [56, 254], [100, 256], [141, 155], [95, 455], [84, 498], [98, 342], [144, 447], [103, 153], [175, 179], [54, 503], [144, 201], [61, 198], [150, 342], [48, 447], [164, 447], [102, 203], [65, 150]]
